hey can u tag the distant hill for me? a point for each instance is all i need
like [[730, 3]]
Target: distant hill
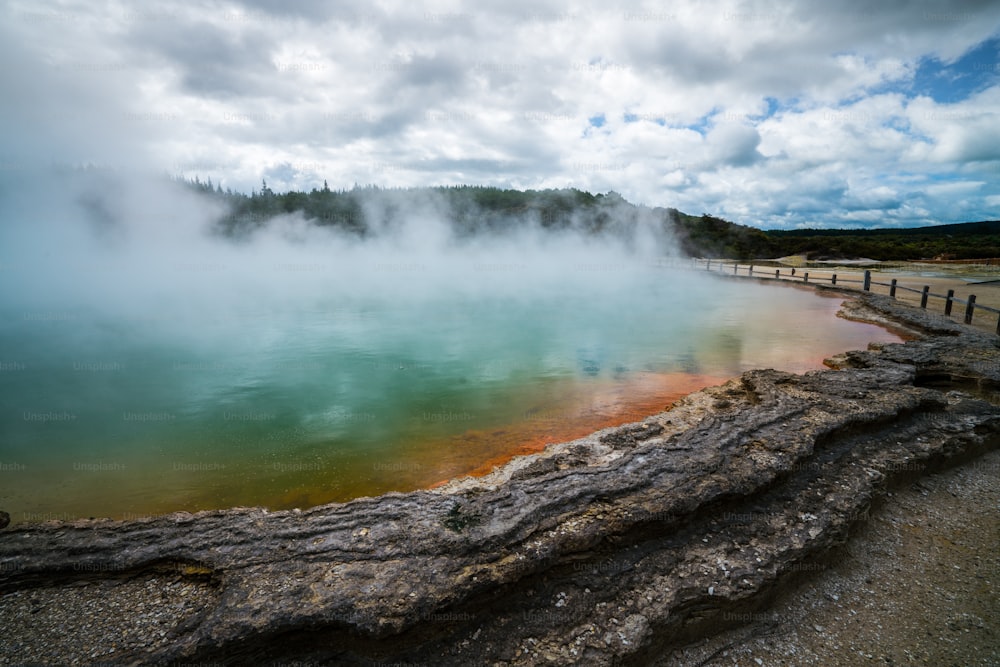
[[477, 209], [984, 228], [969, 240], [708, 236]]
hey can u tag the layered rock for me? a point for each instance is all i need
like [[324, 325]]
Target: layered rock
[[610, 548]]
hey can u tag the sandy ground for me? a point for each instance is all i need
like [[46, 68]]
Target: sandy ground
[[987, 293], [918, 584]]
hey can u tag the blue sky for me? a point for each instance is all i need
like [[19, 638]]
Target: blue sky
[[774, 114], [953, 82]]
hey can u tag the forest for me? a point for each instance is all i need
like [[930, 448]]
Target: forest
[[477, 209]]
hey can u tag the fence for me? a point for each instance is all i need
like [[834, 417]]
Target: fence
[[866, 285]]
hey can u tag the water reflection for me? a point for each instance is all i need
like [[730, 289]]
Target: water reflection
[[358, 399]]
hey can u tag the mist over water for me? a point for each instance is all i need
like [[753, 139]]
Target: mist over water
[[146, 248], [149, 363]]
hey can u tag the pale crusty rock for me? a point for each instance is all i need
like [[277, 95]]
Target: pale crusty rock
[[616, 546]]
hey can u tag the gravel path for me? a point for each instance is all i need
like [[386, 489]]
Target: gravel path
[[918, 584], [98, 622]]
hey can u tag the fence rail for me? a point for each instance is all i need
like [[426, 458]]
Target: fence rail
[[866, 285]]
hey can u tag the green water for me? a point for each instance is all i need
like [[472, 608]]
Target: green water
[[298, 402]]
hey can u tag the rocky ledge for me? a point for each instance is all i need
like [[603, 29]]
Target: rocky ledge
[[607, 550]]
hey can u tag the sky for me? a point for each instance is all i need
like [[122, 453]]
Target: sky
[[773, 114]]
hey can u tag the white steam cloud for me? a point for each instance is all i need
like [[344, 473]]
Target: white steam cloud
[[140, 247]]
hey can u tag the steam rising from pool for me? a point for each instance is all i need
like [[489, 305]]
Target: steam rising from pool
[[144, 248], [149, 363]]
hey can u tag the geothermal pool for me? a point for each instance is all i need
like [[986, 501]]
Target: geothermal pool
[[306, 403]]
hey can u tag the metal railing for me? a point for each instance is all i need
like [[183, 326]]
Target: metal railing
[[866, 285]]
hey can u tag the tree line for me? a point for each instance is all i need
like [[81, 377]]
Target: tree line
[[480, 209]]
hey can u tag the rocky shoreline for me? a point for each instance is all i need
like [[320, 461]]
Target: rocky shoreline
[[612, 549]]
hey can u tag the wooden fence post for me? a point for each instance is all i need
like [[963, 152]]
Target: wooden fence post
[[777, 274], [868, 281], [750, 272], [892, 288], [735, 268], [923, 296], [805, 277], [970, 308], [833, 281], [948, 302], [708, 265]]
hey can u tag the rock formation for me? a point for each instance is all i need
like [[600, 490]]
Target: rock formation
[[605, 550]]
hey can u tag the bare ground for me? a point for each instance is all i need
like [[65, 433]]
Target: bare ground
[[918, 584]]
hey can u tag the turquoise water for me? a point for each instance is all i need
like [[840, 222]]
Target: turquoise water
[[297, 402]]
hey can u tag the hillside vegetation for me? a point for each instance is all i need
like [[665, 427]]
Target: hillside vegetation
[[477, 209], [706, 236]]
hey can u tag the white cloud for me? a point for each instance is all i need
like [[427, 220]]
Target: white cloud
[[777, 113], [967, 131]]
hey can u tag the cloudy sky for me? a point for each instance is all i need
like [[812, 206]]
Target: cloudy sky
[[775, 114]]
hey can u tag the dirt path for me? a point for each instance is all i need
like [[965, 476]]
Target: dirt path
[[919, 584]]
